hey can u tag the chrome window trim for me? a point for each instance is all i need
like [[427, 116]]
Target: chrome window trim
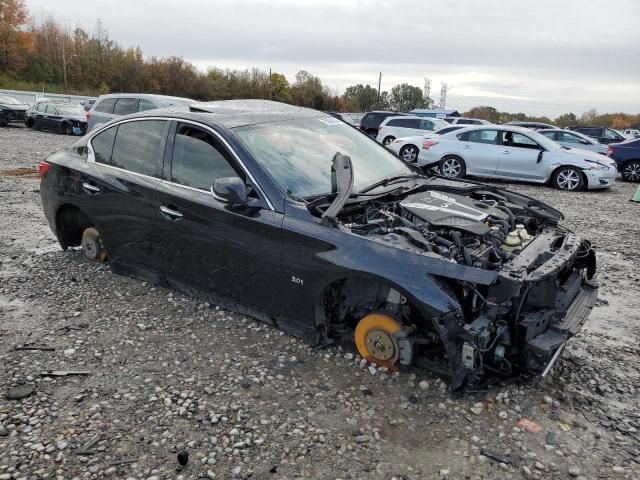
[[92, 158]]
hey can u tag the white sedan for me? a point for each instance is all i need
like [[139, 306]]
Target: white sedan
[[516, 153], [408, 148]]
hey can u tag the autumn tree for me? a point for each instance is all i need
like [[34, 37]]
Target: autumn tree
[[307, 91], [13, 15]]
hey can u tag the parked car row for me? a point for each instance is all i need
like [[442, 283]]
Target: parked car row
[[513, 153]]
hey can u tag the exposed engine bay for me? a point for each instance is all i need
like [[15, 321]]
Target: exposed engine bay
[[520, 284], [482, 232]]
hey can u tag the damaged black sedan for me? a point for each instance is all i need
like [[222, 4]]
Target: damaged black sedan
[[293, 217]]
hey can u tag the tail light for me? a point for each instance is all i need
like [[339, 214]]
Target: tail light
[[609, 150], [42, 169], [428, 144]]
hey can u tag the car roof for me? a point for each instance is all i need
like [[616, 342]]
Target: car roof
[[505, 127], [153, 96], [236, 113], [402, 117]]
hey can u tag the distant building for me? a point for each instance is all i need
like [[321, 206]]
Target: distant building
[[434, 112]]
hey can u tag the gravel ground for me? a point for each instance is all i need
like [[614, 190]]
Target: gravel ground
[[162, 373]]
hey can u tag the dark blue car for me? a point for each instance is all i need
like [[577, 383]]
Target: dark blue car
[[627, 157]]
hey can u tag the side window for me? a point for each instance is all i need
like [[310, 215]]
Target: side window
[[568, 138], [553, 136], [409, 123], [103, 145], [125, 106], [393, 123], [106, 105], [138, 147], [198, 158], [51, 109], [464, 121], [427, 125], [41, 107], [482, 136], [610, 134], [514, 139], [144, 105]]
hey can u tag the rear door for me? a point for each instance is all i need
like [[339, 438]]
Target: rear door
[[232, 252], [480, 151], [519, 158], [119, 189]]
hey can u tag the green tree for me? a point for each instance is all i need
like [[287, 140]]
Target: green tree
[[566, 120], [280, 89], [363, 98], [405, 97]]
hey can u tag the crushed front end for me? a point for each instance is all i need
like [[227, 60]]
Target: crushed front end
[[539, 300], [541, 288]]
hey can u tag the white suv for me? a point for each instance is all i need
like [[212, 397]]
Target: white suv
[[407, 126]]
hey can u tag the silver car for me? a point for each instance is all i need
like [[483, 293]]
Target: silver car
[[108, 107], [570, 139]]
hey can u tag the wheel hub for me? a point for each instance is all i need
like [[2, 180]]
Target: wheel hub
[[90, 247], [380, 344]]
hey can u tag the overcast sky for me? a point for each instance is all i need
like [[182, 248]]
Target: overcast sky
[[539, 57]]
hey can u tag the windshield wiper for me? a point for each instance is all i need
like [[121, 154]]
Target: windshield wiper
[[386, 181]]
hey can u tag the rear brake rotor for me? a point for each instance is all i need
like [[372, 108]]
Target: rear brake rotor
[[92, 245]]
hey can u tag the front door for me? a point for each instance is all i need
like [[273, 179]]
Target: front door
[[518, 158], [234, 252]]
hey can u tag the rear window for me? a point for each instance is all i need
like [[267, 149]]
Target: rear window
[[103, 145], [138, 147], [106, 105], [125, 106], [479, 136]]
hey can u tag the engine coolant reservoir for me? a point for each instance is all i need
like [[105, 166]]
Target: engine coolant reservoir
[[522, 233], [512, 242]]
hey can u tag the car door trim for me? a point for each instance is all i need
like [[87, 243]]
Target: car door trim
[[91, 155]]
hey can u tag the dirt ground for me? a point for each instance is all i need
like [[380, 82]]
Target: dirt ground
[[162, 373]]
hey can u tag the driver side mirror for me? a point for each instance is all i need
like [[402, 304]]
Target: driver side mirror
[[231, 190]]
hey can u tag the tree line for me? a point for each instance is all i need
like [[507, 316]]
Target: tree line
[[41, 54]]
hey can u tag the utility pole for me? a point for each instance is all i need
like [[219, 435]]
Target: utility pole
[[379, 83], [270, 85]]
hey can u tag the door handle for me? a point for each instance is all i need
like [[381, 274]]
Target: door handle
[[170, 213], [466, 146], [506, 152], [91, 189]]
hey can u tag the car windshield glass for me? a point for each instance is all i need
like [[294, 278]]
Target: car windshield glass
[[9, 100], [298, 154], [70, 110], [542, 140]]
